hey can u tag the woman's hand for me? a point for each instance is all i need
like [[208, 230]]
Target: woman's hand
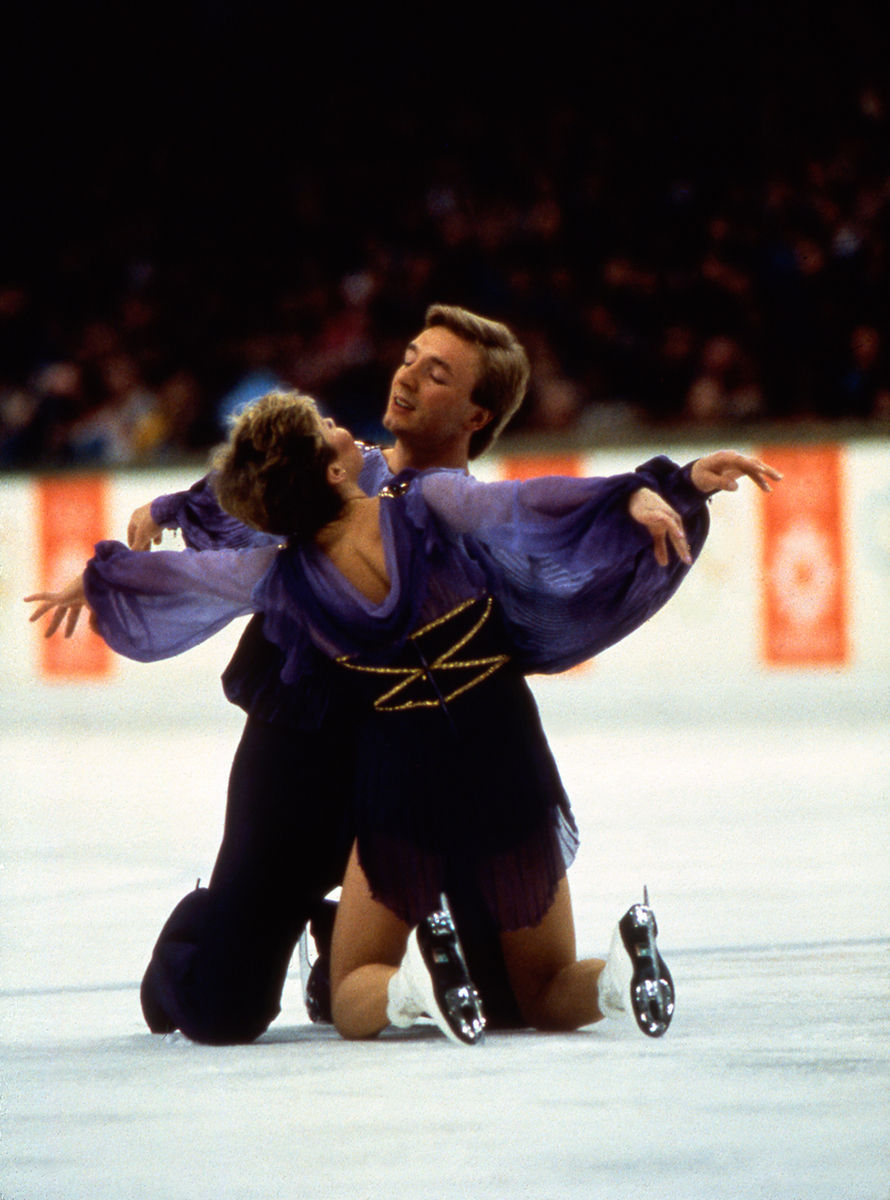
[[65, 605], [665, 525], [721, 472], [143, 531]]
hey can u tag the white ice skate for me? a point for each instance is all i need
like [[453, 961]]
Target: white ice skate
[[432, 980], [635, 980]]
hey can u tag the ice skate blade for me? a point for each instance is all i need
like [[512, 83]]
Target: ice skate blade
[[459, 1008], [651, 987], [653, 1005], [463, 1011]]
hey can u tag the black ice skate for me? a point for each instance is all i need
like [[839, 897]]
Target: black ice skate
[[315, 967], [432, 980], [635, 978]]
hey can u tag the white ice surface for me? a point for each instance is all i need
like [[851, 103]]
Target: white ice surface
[[764, 845]]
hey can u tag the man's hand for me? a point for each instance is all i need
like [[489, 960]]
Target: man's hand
[[663, 523], [66, 605], [721, 472], [143, 531]]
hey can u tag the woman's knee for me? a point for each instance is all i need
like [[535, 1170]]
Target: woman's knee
[[354, 1012]]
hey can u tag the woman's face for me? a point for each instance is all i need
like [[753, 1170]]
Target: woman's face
[[344, 446]]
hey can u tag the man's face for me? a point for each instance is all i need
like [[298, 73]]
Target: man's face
[[429, 400]]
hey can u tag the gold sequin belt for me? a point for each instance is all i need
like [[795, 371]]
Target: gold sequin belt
[[439, 662]]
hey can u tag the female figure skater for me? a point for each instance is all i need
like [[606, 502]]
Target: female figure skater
[[399, 590]]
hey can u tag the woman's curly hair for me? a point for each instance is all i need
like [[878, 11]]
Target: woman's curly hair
[[272, 472]]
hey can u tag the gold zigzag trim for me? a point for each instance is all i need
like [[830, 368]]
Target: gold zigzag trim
[[444, 662]]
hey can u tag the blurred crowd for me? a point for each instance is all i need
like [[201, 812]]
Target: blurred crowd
[[680, 294]]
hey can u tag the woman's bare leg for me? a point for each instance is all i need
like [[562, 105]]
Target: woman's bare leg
[[367, 946], [554, 990]]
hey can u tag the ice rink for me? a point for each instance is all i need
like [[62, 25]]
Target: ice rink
[[762, 837]]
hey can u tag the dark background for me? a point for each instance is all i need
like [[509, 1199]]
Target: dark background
[[682, 209]]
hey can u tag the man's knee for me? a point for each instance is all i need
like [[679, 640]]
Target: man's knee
[[215, 1016], [195, 985]]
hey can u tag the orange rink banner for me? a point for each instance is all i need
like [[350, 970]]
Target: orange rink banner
[[533, 466], [804, 560], [72, 515]]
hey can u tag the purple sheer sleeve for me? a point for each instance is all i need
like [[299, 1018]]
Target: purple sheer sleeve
[[572, 571], [196, 513], [153, 605], [533, 515], [673, 483]]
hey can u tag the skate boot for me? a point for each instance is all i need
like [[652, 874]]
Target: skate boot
[[432, 980], [316, 982], [182, 930], [315, 967], [635, 979]]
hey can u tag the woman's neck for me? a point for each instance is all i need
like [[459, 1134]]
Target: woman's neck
[[354, 544], [357, 511]]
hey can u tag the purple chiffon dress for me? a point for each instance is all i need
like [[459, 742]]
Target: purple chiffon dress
[[456, 786]]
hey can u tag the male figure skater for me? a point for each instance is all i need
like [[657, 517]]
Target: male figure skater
[[218, 968]]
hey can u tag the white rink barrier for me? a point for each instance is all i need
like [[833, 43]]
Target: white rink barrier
[[794, 586]]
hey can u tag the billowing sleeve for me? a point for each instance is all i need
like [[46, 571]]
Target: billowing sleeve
[[572, 571], [204, 525], [153, 605]]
